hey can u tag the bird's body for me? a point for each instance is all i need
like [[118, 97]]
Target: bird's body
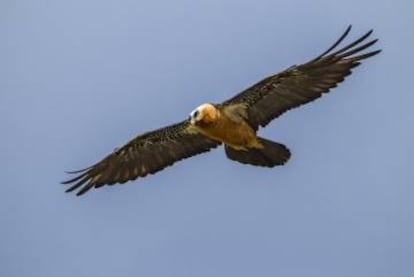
[[233, 123], [217, 127]]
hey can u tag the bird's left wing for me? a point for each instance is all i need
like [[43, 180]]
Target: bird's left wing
[[303, 83], [145, 154]]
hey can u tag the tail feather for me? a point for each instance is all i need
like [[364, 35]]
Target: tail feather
[[270, 155]]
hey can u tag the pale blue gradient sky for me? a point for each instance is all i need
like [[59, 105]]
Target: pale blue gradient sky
[[79, 78]]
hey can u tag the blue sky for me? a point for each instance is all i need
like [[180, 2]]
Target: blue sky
[[79, 78]]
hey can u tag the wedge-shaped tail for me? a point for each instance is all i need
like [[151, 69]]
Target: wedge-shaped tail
[[270, 155]]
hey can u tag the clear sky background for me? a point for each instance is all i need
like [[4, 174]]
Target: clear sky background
[[79, 78]]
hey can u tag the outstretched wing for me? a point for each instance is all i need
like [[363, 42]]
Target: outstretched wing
[[145, 154], [301, 84]]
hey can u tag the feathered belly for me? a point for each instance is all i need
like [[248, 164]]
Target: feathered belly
[[238, 135]]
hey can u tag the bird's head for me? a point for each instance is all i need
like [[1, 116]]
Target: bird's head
[[204, 114]]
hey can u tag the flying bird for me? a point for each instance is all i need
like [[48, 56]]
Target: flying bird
[[234, 122]]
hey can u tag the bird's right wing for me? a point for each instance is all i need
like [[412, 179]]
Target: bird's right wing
[[145, 154]]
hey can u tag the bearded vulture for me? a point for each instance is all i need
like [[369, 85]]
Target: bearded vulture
[[234, 122]]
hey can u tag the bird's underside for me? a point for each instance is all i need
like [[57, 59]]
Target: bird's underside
[[233, 123]]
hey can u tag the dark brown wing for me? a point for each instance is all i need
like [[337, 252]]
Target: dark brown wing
[[145, 154], [301, 84]]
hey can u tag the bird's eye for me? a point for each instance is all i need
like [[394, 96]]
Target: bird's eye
[[195, 114]]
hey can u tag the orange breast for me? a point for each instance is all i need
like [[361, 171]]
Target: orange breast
[[236, 134]]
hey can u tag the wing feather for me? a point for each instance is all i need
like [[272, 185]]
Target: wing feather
[[304, 83], [145, 154]]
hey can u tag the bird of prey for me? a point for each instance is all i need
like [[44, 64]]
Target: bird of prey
[[234, 122]]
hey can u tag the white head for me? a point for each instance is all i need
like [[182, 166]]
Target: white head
[[204, 114]]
